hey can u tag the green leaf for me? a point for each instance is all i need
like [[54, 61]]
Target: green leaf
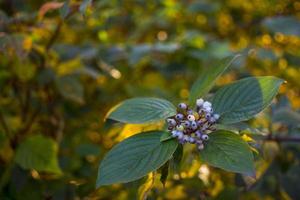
[[70, 88], [142, 110], [166, 136], [245, 98], [226, 150], [134, 158], [39, 153], [208, 77]]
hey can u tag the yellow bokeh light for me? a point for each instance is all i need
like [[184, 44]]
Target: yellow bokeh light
[[266, 39], [162, 35], [201, 19]]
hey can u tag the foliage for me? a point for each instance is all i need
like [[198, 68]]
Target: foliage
[[65, 64]]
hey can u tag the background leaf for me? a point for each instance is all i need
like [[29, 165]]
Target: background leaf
[[142, 110], [39, 153], [286, 116], [287, 25], [84, 5], [208, 77], [226, 150], [245, 98], [70, 88], [135, 157]]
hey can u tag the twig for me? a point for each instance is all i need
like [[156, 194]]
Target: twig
[[55, 35], [4, 125]]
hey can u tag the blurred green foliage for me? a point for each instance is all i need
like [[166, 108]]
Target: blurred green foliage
[[63, 65]]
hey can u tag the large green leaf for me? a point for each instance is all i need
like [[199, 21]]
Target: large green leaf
[[226, 150], [142, 110], [39, 153], [208, 77], [135, 157], [245, 98]]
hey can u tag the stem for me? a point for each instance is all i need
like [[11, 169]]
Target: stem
[[282, 138]]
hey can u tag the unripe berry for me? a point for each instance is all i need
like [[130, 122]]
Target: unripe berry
[[200, 147], [182, 106], [179, 116], [199, 102], [196, 115], [208, 109], [179, 127], [206, 104], [191, 117], [171, 122], [216, 116], [192, 140], [204, 137], [174, 133]]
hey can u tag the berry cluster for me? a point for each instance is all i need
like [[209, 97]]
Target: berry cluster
[[190, 126]]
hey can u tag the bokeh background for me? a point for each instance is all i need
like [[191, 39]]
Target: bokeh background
[[64, 64]]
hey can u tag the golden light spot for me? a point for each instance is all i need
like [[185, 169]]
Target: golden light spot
[[115, 73], [279, 37], [101, 79], [102, 35], [282, 63], [176, 177], [297, 6], [184, 93], [27, 44], [242, 43], [91, 158], [162, 35], [35, 174], [204, 173], [266, 39], [183, 174]]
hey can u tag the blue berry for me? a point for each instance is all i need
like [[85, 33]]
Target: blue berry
[[182, 106], [194, 125], [204, 137], [198, 134], [199, 102], [179, 116], [187, 124]]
